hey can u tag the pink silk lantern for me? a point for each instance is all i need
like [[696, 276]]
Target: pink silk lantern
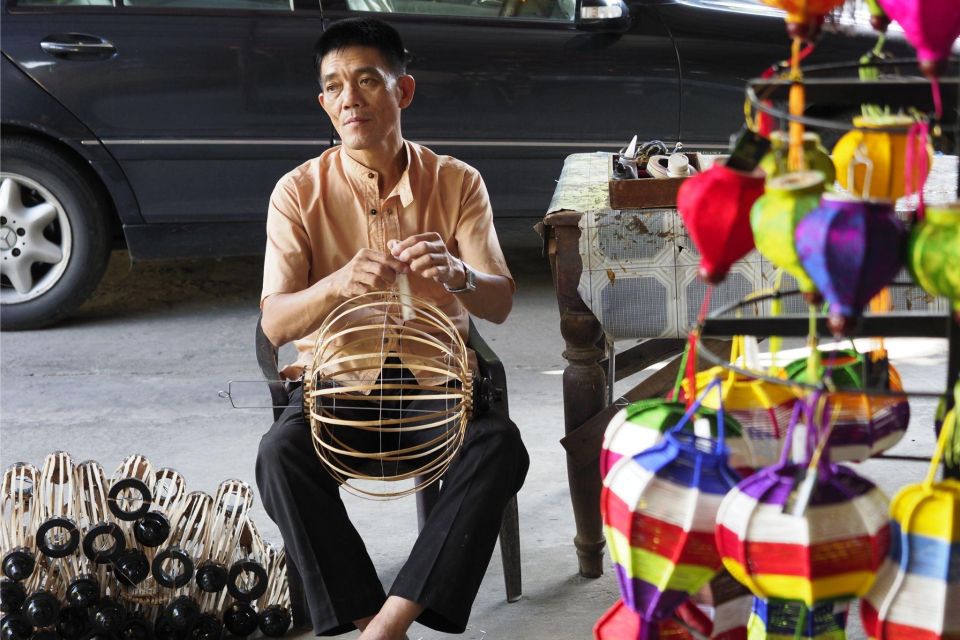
[[931, 26], [715, 207]]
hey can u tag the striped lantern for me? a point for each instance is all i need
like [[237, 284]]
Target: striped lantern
[[658, 509], [641, 424], [762, 408], [851, 249], [808, 541], [917, 592], [863, 425], [779, 620], [619, 622]]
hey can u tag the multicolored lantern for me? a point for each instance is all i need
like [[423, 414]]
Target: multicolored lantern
[[917, 591], [658, 510], [715, 208], [933, 254], [931, 26], [809, 541], [872, 164], [762, 408], [815, 157], [804, 17], [863, 425], [774, 218], [851, 249], [620, 622], [641, 424], [779, 620]]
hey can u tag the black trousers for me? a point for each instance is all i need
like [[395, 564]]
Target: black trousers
[[448, 560]]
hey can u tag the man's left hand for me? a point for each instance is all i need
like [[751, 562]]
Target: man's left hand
[[428, 257]]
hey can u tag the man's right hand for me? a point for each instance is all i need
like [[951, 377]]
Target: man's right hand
[[367, 271]]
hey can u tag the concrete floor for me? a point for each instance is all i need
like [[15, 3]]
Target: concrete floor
[[140, 367]]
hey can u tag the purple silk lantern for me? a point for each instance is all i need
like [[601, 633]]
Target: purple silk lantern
[[851, 249]]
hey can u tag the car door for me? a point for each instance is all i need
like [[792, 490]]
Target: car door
[[203, 103], [512, 86]]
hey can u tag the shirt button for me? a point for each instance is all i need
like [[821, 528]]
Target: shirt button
[[370, 175], [373, 212]]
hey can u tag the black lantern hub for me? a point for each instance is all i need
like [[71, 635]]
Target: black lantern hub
[[129, 485], [136, 629], [238, 584], [207, 627], [172, 568], [152, 530], [12, 595], [182, 612], [45, 634], [131, 567], [74, 623], [18, 564], [83, 592], [275, 621], [58, 537], [41, 609], [212, 577], [240, 619], [108, 617], [94, 548], [15, 627]]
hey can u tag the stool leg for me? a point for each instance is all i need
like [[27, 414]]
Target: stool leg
[[510, 550], [426, 499]]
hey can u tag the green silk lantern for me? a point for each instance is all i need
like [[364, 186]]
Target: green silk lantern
[[774, 217], [934, 252]]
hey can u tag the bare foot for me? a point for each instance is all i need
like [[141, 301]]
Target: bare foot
[[391, 623]]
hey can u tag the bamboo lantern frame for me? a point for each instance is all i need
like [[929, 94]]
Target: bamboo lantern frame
[[401, 319], [17, 495]]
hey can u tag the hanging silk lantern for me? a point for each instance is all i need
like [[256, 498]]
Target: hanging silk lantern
[[658, 509], [863, 425], [619, 622], [933, 254], [822, 543], [774, 218], [804, 17], [779, 620], [762, 408], [872, 164], [851, 249], [815, 157], [715, 208], [641, 424], [917, 590], [931, 26]]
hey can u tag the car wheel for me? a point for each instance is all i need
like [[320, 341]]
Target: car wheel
[[54, 235]]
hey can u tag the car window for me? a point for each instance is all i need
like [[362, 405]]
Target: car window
[[560, 10], [276, 5], [65, 3]]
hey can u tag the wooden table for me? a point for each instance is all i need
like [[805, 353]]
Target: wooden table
[[586, 394]]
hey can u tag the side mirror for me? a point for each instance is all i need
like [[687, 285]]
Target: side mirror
[[603, 15]]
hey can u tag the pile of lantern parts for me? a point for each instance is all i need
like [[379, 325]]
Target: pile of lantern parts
[[133, 555], [710, 538]]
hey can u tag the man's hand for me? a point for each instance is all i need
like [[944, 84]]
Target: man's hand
[[367, 271], [428, 257]]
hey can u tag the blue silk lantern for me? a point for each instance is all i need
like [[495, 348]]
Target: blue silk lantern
[[851, 249]]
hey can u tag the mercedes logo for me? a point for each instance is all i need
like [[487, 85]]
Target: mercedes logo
[[8, 238]]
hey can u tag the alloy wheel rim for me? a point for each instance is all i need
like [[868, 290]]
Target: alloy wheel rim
[[36, 239]]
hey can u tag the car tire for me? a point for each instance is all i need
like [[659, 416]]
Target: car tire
[[47, 204]]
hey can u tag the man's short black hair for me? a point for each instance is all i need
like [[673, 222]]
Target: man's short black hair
[[363, 32]]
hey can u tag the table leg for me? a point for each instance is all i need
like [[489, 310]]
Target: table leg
[[584, 394]]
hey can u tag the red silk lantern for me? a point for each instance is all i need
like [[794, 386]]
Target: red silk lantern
[[715, 207]]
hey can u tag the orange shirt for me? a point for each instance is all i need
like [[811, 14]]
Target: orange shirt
[[327, 209]]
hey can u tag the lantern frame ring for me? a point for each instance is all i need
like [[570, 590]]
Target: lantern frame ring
[[753, 299], [768, 85]]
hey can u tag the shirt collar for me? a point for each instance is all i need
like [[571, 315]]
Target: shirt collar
[[365, 175]]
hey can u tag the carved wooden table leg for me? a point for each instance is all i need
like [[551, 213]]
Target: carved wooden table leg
[[584, 392]]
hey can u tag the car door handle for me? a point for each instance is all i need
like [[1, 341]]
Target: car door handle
[[77, 45]]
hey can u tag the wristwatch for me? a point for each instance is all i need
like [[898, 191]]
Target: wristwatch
[[470, 282]]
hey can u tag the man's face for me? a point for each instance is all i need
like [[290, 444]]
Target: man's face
[[363, 97]]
